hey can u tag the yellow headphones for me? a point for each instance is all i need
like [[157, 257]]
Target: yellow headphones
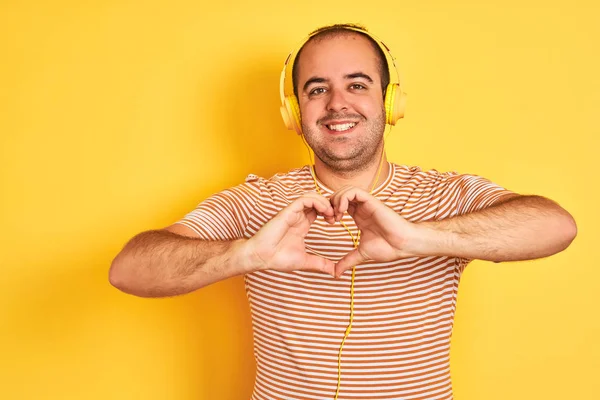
[[395, 98]]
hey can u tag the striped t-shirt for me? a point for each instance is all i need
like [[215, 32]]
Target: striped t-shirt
[[399, 345]]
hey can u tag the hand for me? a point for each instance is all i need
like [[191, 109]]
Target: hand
[[279, 244], [384, 235]]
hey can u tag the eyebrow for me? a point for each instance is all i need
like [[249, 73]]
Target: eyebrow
[[316, 79], [359, 75]]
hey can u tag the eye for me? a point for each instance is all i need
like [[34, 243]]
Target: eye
[[316, 91], [357, 86]]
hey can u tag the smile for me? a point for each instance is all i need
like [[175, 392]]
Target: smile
[[341, 127]]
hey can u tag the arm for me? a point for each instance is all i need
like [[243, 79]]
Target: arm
[[518, 228], [175, 261]]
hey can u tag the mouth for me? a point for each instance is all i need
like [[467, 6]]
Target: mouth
[[344, 127]]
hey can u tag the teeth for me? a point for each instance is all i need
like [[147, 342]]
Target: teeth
[[341, 127]]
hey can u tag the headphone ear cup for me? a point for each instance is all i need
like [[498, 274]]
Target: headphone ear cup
[[290, 112], [395, 103]]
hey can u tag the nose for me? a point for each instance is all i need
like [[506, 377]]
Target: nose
[[337, 100]]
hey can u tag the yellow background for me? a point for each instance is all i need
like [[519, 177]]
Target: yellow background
[[120, 116]]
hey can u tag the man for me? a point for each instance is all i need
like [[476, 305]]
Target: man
[[335, 314]]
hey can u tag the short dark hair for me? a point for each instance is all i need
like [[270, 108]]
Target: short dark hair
[[344, 29]]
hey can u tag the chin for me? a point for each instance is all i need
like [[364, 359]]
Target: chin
[[344, 164]]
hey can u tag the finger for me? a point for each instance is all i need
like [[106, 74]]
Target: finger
[[337, 199], [311, 215], [316, 263], [364, 202], [350, 197], [350, 260], [309, 201], [321, 204], [351, 209], [342, 204], [323, 207]]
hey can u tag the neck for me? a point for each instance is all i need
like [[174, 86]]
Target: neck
[[364, 179]]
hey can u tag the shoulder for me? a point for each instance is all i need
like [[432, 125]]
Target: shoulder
[[415, 181], [283, 186], [405, 175], [461, 192]]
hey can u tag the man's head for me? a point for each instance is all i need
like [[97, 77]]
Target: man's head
[[340, 76], [344, 29]]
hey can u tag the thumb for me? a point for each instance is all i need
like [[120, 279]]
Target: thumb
[[348, 261], [316, 263]]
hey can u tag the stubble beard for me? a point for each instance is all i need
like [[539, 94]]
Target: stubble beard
[[365, 151]]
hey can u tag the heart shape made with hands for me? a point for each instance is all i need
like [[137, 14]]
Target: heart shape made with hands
[[384, 235]]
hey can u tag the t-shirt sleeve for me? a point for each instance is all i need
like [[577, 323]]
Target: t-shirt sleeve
[[474, 193], [461, 194], [224, 215]]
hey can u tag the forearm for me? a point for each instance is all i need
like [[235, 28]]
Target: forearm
[[161, 263], [521, 228]]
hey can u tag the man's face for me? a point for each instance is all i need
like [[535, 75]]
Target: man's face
[[341, 101]]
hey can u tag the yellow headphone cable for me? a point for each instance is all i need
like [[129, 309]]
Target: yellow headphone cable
[[355, 241]]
